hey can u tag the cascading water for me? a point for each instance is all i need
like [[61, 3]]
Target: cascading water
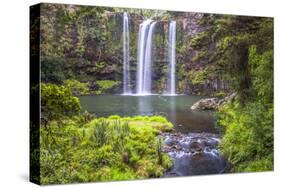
[[145, 44], [172, 59], [194, 154], [144, 60], [148, 60], [126, 56]]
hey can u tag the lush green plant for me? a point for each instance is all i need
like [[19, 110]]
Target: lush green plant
[[58, 101], [220, 94], [248, 138], [106, 86], [77, 87], [155, 123], [52, 70], [262, 74], [225, 43], [159, 150], [198, 76], [104, 149]]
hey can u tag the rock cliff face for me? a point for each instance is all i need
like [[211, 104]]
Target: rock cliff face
[[194, 66], [187, 67], [190, 23]]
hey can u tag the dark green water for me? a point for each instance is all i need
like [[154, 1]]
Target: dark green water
[[175, 108]]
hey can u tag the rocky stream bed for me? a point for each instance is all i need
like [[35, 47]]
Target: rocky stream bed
[[193, 154]]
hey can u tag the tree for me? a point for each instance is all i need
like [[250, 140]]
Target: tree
[[57, 102], [77, 88], [225, 44], [248, 137]]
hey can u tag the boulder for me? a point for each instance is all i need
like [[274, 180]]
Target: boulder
[[170, 142], [213, 103], [206, 104]]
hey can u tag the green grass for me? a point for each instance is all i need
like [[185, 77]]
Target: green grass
[[104, 149], [153, 123]]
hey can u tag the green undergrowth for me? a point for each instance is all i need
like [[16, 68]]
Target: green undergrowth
[[103, 149], [248, 136], [248, 122]]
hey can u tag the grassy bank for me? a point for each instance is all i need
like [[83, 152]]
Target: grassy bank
[[103, 149]]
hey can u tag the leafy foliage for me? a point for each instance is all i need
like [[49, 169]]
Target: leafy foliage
[[77, 87], [262, 74], [226, 43], [104, 149], [76, 44], [52, 70], [105, 86], [248, 138], [198, 76], [58, 101]]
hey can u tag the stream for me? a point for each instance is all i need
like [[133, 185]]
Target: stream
[[193, 154]]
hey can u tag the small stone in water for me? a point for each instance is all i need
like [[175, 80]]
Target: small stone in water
[[170, 142]]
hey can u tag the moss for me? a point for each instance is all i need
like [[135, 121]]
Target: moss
[[200, 40], [159, 123], [198, 76], [199, 55], [220, 94], [114, 117]]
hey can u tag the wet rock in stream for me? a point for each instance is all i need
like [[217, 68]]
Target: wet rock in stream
[[193, 153]]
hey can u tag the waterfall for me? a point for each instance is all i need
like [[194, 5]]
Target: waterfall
[[144, 59], [126, 56], [145, 44], [172, 58]]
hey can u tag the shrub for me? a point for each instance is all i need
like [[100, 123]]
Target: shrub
[[77, 87], [248, 126], [248, 135], [58, 101], [106, 86], [52, 70], [101, 150]]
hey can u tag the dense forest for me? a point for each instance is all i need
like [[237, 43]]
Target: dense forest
[[82, 54]]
